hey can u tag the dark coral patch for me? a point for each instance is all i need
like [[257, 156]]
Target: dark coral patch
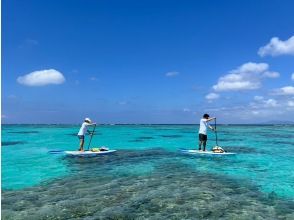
[[171, 136], [162, 194], [23, 132], [146, 138], [8, 143]]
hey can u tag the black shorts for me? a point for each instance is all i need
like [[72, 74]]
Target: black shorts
[[202, 137], [81, 137]]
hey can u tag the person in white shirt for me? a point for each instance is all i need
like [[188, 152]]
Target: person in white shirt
[[83, 130], [203, 130]]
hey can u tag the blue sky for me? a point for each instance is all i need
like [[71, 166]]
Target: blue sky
[[147, 61]]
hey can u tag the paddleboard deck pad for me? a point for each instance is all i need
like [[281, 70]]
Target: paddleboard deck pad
[[186, 151], [88, 153]]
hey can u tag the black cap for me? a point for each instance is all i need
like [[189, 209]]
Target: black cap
[[206, 116]]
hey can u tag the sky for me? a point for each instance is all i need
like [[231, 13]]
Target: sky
[[154, 62]]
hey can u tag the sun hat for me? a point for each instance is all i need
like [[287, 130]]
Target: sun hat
[[88, 120]]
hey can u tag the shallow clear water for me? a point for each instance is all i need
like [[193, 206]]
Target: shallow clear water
[[148, 177]]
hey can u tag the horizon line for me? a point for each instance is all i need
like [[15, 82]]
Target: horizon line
[[262, 123]]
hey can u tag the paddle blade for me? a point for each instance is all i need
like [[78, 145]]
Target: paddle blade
[[55, 152]]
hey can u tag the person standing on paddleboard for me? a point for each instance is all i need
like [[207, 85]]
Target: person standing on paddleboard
[[203, 130], [83, 130]]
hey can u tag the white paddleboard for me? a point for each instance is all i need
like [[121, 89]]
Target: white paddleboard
[[205, 152], [88, 153]]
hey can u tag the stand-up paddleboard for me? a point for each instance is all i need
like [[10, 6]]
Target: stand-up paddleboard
[[88, 153], [186, 151]]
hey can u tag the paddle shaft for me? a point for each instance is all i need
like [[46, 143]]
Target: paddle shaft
[[91, 137], [215, 132]]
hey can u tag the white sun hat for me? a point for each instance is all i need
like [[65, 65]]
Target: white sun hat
[[88, 119]]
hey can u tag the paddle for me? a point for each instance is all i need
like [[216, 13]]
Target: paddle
[[91, 136], [215, 132], [56, 152], [216, 141]]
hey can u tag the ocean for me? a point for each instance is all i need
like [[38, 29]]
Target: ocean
[[148, 178]]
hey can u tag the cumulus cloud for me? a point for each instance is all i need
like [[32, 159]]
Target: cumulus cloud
[[246, 77], [212, 96], [251, 67], [172, 74], [260, 109], [261, 102], [269, 74], [41, 78], [287, 90], [278, 47]]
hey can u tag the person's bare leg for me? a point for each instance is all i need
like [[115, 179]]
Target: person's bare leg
[[81, 145]]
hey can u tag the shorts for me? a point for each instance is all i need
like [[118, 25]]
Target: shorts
[[81, 137], [202, 137]]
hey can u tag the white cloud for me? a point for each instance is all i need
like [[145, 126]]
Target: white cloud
[[258, 98], [277, 47], [260, 102], [41, 78], [212, 96], [292, 77], [270, 103], [172, 74], [269, 74], [246, 77], [225, 85], [251, 67], [287, 90], [260, 110], [186, 110]]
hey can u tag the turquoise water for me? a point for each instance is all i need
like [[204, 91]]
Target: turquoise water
[[147, 173]]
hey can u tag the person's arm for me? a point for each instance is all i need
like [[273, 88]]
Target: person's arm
[[210, 119], [212, 128], [90, 124]]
